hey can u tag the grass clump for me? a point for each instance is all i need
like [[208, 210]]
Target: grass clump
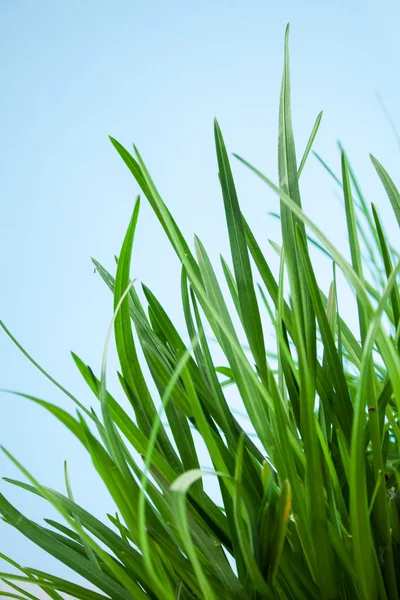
[[308, 502]]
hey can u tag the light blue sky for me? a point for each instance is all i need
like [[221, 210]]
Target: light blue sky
[[155, 73]]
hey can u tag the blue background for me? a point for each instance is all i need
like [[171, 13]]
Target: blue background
[[156, 73]]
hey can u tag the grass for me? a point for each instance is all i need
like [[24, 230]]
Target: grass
[[309, 491]]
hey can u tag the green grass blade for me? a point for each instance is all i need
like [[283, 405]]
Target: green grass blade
[[388, 184], [353, 240], [144, 405], [387, 260], [242, 522], [63, 553], [309, 144], [241, 262], [343, 409], [47, 375]]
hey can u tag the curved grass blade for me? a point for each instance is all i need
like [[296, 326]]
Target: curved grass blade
[[143, 406], [64, 554], [124, 552], [388, 184], [178, 494], [90, 554], [47, 375], [148, 556], [49, 582]]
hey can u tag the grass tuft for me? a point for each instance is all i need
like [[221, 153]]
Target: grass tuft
[[306, 503]]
